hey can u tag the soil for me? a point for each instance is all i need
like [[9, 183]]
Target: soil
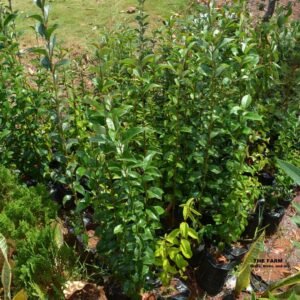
[[258, 7], [79, 290], [280, 258]]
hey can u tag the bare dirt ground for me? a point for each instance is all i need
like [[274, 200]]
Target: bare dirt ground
[[258, 7], [280, 251], [280, 257]]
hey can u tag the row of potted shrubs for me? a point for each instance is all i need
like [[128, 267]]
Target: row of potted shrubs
[[184, 122]]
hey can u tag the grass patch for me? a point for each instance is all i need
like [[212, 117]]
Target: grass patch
[[81, 21]]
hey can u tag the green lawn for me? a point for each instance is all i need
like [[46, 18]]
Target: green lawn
[[80, 21]]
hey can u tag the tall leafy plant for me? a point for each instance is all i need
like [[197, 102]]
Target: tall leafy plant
[[47, 60], [128, 200]]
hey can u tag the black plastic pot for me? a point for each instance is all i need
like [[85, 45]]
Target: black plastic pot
[[254, 220], [272, 219], [230, 296], [198, 256], [285, 202], [236, 254], [273, 137], [113, 291], [211, 276], [266, 179], [257, 283]]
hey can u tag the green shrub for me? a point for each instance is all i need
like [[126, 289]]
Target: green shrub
[[41, 260], [198, 98], [42, 267], [22, 208], [7, 186], [183, 117]]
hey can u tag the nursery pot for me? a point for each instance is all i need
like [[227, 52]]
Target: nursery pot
[[211, 276], [253, 221], [272, 219], [198, 256], [257, 283], [236, 254], [266, 178], [285, 202]]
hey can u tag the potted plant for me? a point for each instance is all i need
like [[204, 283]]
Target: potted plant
[[273, 211], [213, 269], [255, 219]]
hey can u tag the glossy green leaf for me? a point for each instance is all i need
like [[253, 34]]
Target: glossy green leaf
[[172, 252], [81, 171], [193, 234], [185, 212], [45, 62], [38, 18], [131, 133], [66, 199], [251, 59], [147, 235], [152, 215], [172, 236], [184, 227], [225, 41], [49, 32], [159, 210], [253, 116], [155, 193], [246, 101], [110, 124], [221, 69], [180, 261], [10, 18], [118, 229], [185, 248], [39, 3], [40, 29]]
